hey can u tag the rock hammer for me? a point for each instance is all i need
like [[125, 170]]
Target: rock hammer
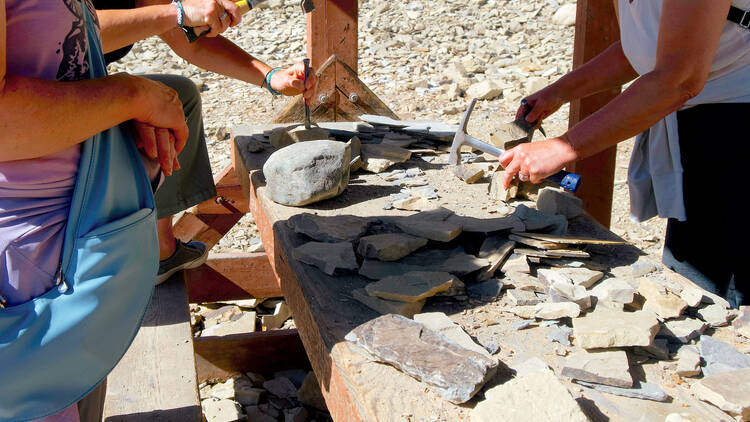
[[245, 6], [567, 180]]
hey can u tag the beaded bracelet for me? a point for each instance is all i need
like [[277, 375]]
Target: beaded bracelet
[[181, 16], [268, 81]]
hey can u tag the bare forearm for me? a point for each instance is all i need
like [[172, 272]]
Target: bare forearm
[[610, 69], [648, 100], [218, 55], [125, 27], [40, 117]]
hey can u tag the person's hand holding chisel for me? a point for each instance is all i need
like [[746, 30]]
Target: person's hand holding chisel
[[291, 81]]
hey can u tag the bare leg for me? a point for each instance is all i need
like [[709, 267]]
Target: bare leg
[[167, 242]]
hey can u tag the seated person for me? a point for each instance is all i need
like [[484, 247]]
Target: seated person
[[125, 22]]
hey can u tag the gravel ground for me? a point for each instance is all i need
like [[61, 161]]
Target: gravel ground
[[407, 55]]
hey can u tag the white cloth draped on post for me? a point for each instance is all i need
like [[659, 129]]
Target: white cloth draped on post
[[655, 172]]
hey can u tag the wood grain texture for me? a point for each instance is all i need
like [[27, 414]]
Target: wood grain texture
[[262, 352], [156, 379], [596, 29], [229, 276]]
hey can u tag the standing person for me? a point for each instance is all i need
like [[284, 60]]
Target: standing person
[[66, 318], [125, 22], [689, 61]]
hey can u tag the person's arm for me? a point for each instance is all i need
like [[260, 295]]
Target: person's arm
[[610, 69], [124, 27], [39, 117], [689, 34]]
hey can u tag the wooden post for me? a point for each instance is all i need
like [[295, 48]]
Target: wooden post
[[596, 29], [332, 47], [332, 30]]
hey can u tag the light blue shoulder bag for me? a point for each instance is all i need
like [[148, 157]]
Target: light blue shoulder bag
[[57, 347]]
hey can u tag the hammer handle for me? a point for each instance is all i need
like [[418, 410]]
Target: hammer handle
[[244, 5]]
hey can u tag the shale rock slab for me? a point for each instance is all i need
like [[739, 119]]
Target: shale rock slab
[[414, 286], [538, 396], [339, 228], [377, 158], [607, 328], [729, 391], [307, 172], [384, 306], [605, 367], [721, 356], [641, 390], [329, 257], [454, 372], [659, 300], [389, 246], [440, 322]]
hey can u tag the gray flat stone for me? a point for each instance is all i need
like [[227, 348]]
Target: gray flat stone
[[560, 334], [433, 130], [486, 225], [307, 172], [441, 323], [487, 289], [454, 261], [607, 328], [339, 228], [721, 356], [329, 257], [376, 270], [659, 300], [714, 315], [614, 290], [516, 263], [389, 246], [374, 119], [601, 367], [554, 201], [495, 248], [566, 292], [468, 173], [683, 329], [453, 372], [310, 393], [641, 390], [659, 349], [688, 362], [556, 310], [377, 158], [577, 276], [522, 297], [281, 387], [537, 221], [523, 281], [729, 391], [430, 225], [384, 306], [414, 286], [530, 366], [523, 324], [537, 396]]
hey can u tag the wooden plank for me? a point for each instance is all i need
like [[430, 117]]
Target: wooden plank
[[596, 29], [276, 350], [228, 276], [206, 228], [229, 199], [570, 240], [156, 379]]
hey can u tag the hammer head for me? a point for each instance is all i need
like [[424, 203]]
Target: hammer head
[[460, 138], [307, 5]]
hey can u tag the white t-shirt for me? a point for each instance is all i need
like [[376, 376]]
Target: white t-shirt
[[655, 174]]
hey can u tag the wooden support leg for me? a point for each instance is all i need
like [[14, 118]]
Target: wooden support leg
[[596, 29]]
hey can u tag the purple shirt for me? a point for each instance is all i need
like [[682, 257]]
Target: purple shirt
[[45, 40]]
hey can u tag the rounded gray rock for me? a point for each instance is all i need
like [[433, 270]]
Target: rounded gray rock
[[307, 172]]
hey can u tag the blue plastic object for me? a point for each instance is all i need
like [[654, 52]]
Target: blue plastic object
[[568, 181], [56, 348]]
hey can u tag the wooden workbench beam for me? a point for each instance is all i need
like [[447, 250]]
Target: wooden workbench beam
[[332, 30], [596, 29]]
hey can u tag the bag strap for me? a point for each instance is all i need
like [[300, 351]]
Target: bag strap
[[739, 16]]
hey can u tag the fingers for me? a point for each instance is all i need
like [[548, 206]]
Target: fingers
[[146, 139], [233, 12], [511, 170], [166, 151], [312, 81], [507, 157]]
